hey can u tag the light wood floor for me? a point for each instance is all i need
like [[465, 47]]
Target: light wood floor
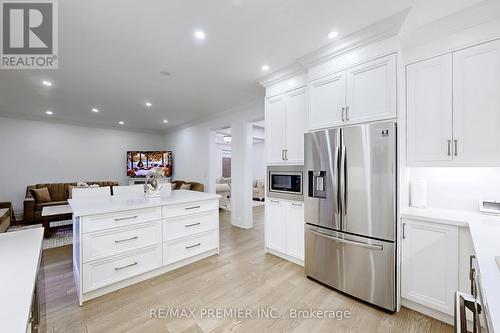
[[242, 276]]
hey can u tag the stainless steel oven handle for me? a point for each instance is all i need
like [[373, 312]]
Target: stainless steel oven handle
[[465, 301], [348, 242]]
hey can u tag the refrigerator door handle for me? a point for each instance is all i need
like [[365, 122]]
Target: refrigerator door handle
[[349, 242], [335, 174], [343, 189]]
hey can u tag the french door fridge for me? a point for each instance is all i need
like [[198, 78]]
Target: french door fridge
[[350, 210]]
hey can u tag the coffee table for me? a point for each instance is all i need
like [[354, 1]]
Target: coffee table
[[55, 213]]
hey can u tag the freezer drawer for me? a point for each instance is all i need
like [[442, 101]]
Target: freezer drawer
[[359, 266]]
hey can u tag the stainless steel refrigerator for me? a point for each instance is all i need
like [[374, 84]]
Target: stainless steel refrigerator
[[350, 210]]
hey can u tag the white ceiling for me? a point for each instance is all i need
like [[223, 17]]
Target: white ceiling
[[111, 54]]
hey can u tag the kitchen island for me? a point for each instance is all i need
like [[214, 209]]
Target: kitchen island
[[121, 241]]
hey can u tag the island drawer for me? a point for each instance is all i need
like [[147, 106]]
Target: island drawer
[[189, 246], [183, 226], [101, 273], [118, 219], [100, 244], [189, 208]]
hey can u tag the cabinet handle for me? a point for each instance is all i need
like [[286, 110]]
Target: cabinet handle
[[347, 113], [191, 246], [192, 225], [404, 229], [449, 147], [282, 154], [343, 109], [193, 207], [286, 154], [456, 147], [274, 201], [126, 240], [126, 218], [472, 275], [296, 204], [127, 266]]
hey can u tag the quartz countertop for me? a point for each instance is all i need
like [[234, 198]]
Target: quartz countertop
[[91, 206], [20, 253], [485, 232]]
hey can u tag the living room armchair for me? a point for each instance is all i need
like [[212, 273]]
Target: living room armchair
[[223, 188], [258, 190]]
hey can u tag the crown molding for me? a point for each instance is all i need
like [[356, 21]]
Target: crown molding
[[12, 115], [380, 30], [282, 74]]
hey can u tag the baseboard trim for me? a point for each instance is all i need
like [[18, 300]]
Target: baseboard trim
[[285, 256]]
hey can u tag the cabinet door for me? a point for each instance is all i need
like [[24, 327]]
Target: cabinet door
[[275, 225], [430, 264], [326, 101], [476, 105], [295, 126], [275, 129], [371, 90], [430, 110], [295, 229]]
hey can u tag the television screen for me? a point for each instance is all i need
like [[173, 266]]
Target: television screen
[[140, 162]]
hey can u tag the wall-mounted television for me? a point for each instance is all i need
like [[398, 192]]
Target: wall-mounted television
[[140, 162]]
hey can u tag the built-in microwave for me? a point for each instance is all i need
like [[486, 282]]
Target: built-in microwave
[[285, 182]]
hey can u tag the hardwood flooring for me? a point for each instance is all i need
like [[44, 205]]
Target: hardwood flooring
[[241, 277]]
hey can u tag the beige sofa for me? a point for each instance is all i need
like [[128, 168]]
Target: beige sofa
[[258, 189], [223, 188]]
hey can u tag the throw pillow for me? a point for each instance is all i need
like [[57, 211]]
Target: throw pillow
[[185, 186], [41, 195], [174, 186]]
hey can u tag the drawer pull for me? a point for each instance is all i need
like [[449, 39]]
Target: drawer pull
[[193, 207], [192, 225], [126, 240], [191, 246], [127, 266], [126, 218], [296, 204]]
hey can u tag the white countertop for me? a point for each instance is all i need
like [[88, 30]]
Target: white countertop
[[20, 253], [90, 206], [485, 232]]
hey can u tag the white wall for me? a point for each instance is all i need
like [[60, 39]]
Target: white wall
[[194, 146], [458, 188], [258, 161], [37, 152]]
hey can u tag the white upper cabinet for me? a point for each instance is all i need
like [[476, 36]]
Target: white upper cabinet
[[295, 126], [285, 126], [363, 93], [476, 104], [275, 131], [453, 108], [371, 90], [326, 101], [429, 109]]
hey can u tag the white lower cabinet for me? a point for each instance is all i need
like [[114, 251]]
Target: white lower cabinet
[[435, 264], [284, 229], [121, 248]]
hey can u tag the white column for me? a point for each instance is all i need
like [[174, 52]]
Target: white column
[[241, 174]]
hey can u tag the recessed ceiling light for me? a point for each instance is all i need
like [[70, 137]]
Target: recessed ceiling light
[[199, 34], [333, 34], [165, 121], [121, 123], [95, 110], [265, 67], [50, 113], [47, 83], [148, 104]]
